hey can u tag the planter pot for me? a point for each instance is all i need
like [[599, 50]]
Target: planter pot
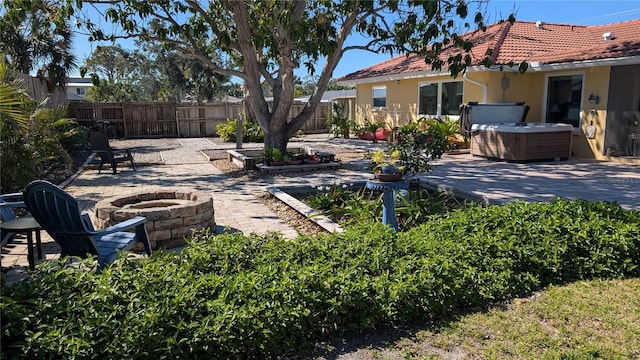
[[388, 177], [365, 135], [293, 162], [276, 163]]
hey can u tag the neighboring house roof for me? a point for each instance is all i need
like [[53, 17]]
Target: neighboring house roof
[[328, 96], [331, 95], [79, 82], [537, 43], [74, 97]]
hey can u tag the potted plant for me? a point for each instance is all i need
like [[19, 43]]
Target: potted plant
[[387, 166], [273, 157], [292, 159]]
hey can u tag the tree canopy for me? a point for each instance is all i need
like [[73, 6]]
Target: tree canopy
[[265, 40], [150, 73], [35, 35]]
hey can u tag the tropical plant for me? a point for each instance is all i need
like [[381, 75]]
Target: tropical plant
[[387, 162], [420, 205], [32, 136], [338, 120], [13, 99], [446, 126]]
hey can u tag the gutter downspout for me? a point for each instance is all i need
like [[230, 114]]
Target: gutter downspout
[[485, 87]]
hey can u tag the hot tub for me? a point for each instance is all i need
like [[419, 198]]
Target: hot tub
[[522, 141], [499, 131]]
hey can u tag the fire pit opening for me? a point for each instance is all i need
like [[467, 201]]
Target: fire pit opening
[[154, 204], [171, 214]]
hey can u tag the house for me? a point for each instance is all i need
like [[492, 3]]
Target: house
[[345, 96], [580, 75], [77, 87]]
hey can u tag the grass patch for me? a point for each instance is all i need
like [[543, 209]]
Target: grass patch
[[582, 320]]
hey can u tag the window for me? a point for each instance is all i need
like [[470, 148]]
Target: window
[[379, 96], [428, 99], [564, 99], [440, 99], [80, 91]]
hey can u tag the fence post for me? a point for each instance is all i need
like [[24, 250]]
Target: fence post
[[178, 122], [239, 130]]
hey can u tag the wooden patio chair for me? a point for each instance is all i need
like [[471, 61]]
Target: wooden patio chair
[[100, 143], [58, 213]]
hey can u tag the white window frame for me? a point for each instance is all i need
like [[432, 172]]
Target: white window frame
[[547, 76], [80, 91], [373, 97], [438, 97]]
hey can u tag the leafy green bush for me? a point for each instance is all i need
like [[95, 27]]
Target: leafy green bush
[[251, 131], [232, 296], [418, 147]]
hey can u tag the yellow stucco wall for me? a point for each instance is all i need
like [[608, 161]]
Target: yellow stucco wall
[[596, 82], [402, 100], [530, 87]]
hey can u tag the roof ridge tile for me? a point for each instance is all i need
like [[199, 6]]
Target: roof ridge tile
[[502, 34]]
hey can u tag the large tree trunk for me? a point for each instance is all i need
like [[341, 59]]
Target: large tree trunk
[[276, 138], [273, 118]]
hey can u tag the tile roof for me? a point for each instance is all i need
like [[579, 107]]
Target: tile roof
[[525, 41]]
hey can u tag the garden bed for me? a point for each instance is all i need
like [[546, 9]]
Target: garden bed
[[252, 159]]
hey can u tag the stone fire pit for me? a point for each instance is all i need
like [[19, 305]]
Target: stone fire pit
[[171, 214]]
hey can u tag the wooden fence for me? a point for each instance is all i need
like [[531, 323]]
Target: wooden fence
[[157, 119], [37, 90]]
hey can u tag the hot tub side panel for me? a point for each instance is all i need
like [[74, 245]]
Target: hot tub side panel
[[522, 146]]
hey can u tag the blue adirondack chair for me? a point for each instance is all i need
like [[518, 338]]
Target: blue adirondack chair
[[58, 213], [7, 214]]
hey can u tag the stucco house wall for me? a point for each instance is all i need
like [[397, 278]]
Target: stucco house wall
[[529, 87], [605, 57]]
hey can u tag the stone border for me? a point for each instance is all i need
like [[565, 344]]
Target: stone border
[[311, 214]]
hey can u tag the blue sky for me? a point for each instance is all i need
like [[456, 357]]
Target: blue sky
[[577, 12]]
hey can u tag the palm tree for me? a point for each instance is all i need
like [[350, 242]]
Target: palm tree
[[13, 100], [30, 135], [38, 38]]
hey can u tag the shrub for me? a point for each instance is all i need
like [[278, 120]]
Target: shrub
[[251, 131], [49, 139], [231, 296], [418, 147], [338, 122]]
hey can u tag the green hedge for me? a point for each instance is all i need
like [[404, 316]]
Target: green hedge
[[251, 131], [257, 296]]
